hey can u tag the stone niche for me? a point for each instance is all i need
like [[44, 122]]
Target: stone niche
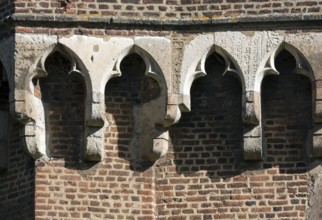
[[62, 94], [135, 105], [4, 118], [288, 60]]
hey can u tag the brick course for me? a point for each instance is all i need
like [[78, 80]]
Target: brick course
[[67, 187], [160, 9], [205, 177]]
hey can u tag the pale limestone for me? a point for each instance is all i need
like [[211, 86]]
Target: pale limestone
[[249, 56]]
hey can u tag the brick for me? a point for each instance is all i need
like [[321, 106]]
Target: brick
[[203, 175]]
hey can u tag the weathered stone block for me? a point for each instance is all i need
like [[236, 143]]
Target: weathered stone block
[[253, 144], [161, 144]]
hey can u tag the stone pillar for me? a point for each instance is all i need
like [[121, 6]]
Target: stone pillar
[[253, 142]]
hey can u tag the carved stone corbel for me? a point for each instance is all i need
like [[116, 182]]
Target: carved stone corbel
[[193, 66], [94, 124]]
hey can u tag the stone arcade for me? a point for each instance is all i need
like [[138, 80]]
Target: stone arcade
[[105, 118]]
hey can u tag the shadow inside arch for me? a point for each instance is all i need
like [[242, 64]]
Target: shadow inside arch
[[208, 140], [287, 116], [63, 97], [126, 99], [209, 137]]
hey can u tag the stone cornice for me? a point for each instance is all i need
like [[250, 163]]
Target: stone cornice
[[258, 22]]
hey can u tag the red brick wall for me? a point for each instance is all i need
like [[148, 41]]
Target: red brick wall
[[130, 178], [200, 178], [286, 101], [204, 176], [57, 180], [167, 9], [67, 187]]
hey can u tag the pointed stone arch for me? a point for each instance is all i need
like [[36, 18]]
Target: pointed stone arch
[[254, 142], [34, 121], [193, 66], [152, 70], [102, 60], [152, 133], [99, 58]]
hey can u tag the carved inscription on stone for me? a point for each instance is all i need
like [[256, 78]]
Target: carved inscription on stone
[[248, 50]]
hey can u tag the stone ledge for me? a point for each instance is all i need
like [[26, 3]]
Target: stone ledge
[[184, 22]]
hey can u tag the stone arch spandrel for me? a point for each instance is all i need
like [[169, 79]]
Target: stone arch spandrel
[[193, 66], [248, 48], [159, 49], [268, 67], [29, 50], [100, 59], [34, 132], [154, 133], [310, 45]]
